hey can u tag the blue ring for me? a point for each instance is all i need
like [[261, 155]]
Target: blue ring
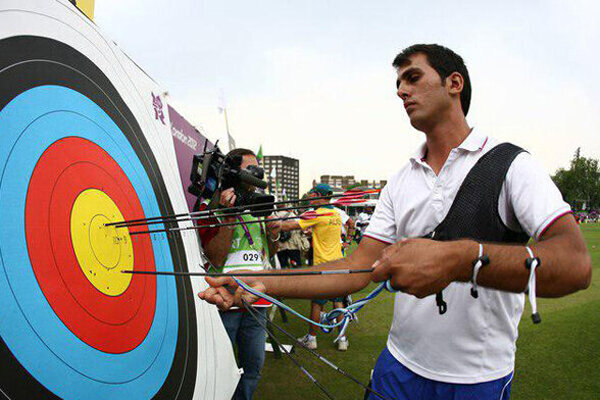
[[57, 358]]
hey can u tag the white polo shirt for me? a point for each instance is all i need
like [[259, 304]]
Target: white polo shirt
[[475, 340]]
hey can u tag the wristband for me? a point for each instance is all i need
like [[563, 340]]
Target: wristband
[[531, 264], [277, 238], [389, 287], [480, 262]]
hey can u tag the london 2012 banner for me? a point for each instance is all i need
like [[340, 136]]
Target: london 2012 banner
[[85, 140], [188, 141]]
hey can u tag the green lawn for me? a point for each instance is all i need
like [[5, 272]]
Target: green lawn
[[558, 359]]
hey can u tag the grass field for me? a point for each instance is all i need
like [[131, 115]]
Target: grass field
[[558, 359]]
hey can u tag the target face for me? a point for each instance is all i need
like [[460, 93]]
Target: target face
[[72, 159]]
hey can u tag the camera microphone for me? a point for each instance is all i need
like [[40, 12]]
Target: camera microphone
[[250, 179]]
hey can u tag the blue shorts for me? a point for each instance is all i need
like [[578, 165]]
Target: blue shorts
[[394, 381]]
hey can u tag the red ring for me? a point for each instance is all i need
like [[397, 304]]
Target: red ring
[[113, 310], [113, 324]]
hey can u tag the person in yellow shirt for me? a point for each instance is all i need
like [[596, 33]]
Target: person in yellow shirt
[[327, 246]]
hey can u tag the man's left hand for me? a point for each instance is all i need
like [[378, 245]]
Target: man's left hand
[[274, 227], [422, 267]]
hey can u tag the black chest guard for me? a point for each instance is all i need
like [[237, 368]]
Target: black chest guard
[[474, 212]]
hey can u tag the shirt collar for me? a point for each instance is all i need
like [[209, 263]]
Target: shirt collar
[[419, 155], [475, 141]]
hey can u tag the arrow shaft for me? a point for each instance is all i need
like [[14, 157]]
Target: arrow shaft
[[210, 226], [213, 214], [255, 274], [348, 194]]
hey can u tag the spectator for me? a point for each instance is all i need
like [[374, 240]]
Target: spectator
[[347, 228], [326, 241], [362, 222], [291, 244]]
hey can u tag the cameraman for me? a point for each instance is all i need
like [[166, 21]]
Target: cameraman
[[246, 246]]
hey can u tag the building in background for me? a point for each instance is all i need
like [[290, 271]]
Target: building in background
[[338, 181], [373, 184], [286, 177], [348, 181]]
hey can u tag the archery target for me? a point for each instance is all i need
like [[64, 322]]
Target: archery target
[[72, 158]]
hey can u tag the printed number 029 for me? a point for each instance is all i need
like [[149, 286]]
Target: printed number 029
[[251, 257]]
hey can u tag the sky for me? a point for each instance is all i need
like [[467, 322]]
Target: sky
[[313, 79]]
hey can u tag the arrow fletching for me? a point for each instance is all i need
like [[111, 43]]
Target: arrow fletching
[[345, 202], [313, 215]]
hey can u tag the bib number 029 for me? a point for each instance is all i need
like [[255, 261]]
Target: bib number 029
[[251, 257]]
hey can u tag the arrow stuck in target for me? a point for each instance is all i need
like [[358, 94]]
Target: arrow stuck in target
[[347, 198]]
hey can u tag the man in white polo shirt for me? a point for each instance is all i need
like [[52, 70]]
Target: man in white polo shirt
[[450, 232]]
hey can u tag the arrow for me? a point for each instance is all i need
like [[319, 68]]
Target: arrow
[[351, 194], [298, 272], [342, 202], [210, 226]]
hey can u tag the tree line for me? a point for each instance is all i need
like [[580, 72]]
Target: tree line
[[580, 184]]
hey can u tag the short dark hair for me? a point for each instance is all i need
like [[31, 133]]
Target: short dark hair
[[444, 61], [236, 156], [241, 152]]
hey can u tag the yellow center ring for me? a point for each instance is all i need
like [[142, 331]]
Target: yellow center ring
[[102, 251]]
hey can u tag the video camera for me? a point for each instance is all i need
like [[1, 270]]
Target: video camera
[[212, 172]]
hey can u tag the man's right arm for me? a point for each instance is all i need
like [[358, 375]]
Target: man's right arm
[[218, 247], [303, 287]]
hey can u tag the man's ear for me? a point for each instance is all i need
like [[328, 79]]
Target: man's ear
[[455, 83]]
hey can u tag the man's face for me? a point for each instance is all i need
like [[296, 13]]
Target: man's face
[[312, 202], [248, 160], [425, 98]]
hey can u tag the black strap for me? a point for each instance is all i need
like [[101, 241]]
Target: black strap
[[474, 211]]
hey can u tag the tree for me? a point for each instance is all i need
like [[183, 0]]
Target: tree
[[580, 184]]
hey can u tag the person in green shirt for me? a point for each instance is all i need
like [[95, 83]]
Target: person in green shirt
[[243, 247]]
